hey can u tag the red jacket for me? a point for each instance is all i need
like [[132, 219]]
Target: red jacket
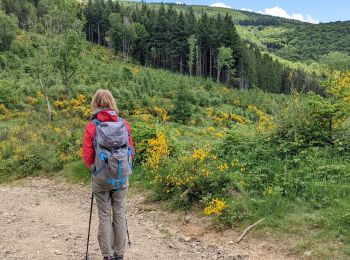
[[88, 146]]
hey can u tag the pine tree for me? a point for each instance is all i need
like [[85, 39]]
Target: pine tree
[[141, 43], [179, 43], [192, 44], [183, 105]]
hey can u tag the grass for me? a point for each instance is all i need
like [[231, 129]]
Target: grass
[[75, 172]]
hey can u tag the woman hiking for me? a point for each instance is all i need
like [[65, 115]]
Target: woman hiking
[[107, 152]]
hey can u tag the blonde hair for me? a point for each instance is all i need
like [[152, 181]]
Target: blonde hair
[[103, 98]]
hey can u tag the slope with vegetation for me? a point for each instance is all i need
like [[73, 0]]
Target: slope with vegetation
[[190, 40], [238, 155], [289, 39], [305, 42]]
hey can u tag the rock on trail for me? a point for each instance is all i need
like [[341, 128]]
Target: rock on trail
[[48, 219]]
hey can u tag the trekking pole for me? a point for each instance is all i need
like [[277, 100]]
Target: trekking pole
[[127, 231], [88, 238]]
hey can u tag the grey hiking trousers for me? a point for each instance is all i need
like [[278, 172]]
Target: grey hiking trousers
[[111, 234]]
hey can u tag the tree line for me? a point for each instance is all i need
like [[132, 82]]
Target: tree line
[[209, 46], [162, 36]]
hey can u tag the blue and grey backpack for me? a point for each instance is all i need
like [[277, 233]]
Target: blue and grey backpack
[[113, 155]]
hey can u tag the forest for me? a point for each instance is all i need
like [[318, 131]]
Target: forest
[[223, 120]]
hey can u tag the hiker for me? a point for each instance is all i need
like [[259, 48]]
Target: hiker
[[110, 168]]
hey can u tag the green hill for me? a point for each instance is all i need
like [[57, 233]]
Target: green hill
[[289, 39], [303, 42]]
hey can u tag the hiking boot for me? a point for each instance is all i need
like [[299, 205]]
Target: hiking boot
[[117, 257]]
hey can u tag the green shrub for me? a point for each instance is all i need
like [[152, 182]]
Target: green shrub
[[141, 133], [8, 32], [309, 120], [183, 105], [8, 94]]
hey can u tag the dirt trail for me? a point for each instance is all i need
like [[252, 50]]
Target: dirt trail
[[45, 219]]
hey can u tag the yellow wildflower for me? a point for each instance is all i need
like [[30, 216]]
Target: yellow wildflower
[[265, 122], [200, 154], [162, 113], [223, 167], [215, 206], [146, 117], [220, 134], [268, 191], [234, 162], [177, 133], [238, 118], [158, 150]]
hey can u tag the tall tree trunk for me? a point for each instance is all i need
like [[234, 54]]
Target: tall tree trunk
[[66, 83], [89, 32], [181, 65], [228, 76], [242, 80], [218, 76], [98, 34], [110, 42], [124, 49], [198, 68], [92, 33], [204, 64], [210, 63], [49, 109], [200, 61]]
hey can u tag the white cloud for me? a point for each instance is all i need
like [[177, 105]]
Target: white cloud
[[309, 19], [278, 11], [220, 5], [180, 3], [245, 9]]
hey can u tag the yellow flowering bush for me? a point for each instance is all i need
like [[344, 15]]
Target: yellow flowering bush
[[265, 122], [146, 117], [268, 191], [223, 167], [339, 85], [76, 106], [6, 114], [158, 150], [161, 113], [136, 69], [223, 118], [210, 111], [220, 134], [31, 100], [215, 207], [3, 110], [238, 118], [200, 154], [189, 176]]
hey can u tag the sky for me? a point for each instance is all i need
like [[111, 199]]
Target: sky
[[313, 11]]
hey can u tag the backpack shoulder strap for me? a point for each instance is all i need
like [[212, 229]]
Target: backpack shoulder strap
[[96, 122]]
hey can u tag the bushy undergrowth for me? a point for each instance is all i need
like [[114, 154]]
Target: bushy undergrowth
[[240, 156]]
